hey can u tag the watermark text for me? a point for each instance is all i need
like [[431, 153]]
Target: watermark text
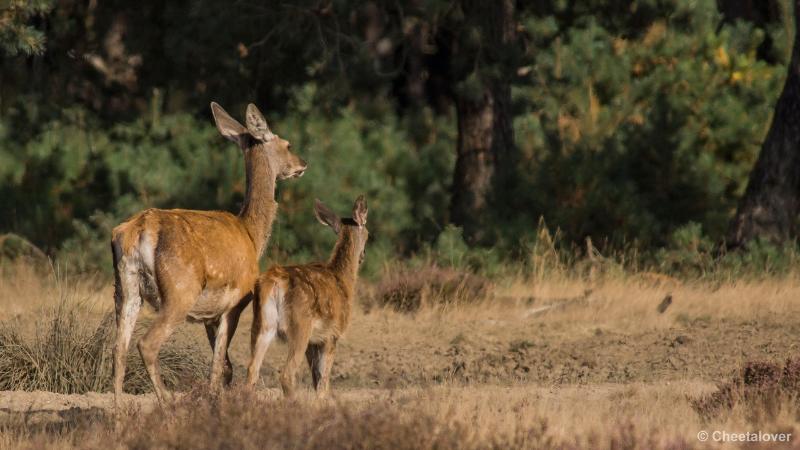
[[748, 436]]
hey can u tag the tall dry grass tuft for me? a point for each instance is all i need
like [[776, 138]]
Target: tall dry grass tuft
[[63, 355], [61, 345], [69, 354]]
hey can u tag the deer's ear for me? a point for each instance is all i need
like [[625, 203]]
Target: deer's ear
[[326, 216], [228, 126], [257, 124], [360, 210]]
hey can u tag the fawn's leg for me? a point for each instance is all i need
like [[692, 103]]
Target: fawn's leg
[[298, 335], [314, 358], [265, 326], [324, 364]]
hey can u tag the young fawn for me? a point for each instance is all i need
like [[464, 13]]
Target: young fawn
[[309, 305]]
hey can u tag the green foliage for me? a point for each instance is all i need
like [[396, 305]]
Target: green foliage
[[170, 161], [760, 258], [17, 36], [74, 181], [691, 254], [688, 252], [350, 153], [636, 124], [634, 136], [451, 250]]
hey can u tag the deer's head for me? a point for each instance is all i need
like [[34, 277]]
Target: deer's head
[[351, 230], [257, 139]]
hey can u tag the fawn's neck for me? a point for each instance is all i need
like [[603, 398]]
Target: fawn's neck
[[344, 260], [259, 208]]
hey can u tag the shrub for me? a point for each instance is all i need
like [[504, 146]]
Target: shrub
[[66, 354], [688, 253], [411, 289], [760, 388]]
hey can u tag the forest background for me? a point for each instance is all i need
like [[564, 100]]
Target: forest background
[[476, 129]]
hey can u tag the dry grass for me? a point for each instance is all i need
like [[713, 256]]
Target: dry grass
[[604, 371], [66, 346], [441, 418], [636, 416]]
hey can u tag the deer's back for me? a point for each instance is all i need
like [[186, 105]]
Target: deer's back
[[211, 245]]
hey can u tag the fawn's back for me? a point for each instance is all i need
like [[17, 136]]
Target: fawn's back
[[309, 296]]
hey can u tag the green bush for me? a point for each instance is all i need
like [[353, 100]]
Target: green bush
[[631, 133], [71, 184]]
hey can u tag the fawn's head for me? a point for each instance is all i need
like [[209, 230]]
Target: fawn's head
[[257, 138], [351, 230]]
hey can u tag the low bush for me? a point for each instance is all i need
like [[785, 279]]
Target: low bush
[[68, 354], [759, 388], [410, 289]]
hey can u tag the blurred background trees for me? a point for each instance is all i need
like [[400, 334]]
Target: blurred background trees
[[768, 210], [633, 123]]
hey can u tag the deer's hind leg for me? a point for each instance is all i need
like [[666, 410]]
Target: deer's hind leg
[[320, 360], [127, 303], [177, 299], [231, 320]]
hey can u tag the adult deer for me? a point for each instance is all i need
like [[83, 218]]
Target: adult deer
[[310, 305], [200, 265]]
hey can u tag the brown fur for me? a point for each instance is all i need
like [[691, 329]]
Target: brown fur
[[310, 305], [199, 264]]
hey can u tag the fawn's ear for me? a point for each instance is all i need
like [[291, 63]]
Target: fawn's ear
[[228, 126], [327, 217], [360, 211], [257, 124]]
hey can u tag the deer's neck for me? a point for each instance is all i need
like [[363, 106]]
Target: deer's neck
[[344, 260], [259, 208]]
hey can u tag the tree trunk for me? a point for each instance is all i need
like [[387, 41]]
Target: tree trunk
[[485, 134], [770, 204], [485, 137]]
